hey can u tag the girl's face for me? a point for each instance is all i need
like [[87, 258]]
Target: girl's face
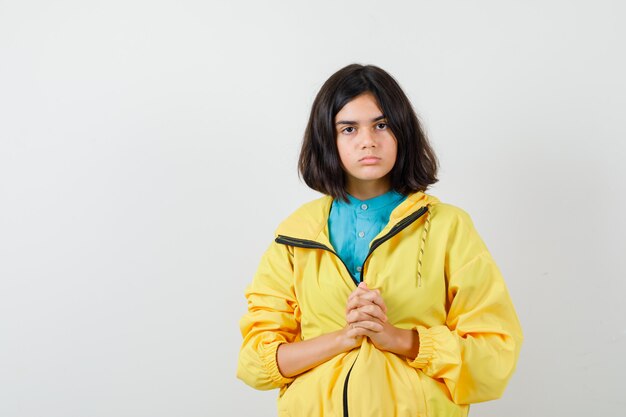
[[367, 147]]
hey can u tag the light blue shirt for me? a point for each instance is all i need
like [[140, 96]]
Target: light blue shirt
[[353, 225]]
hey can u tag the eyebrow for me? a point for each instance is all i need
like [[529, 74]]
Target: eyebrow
[[352, 122]]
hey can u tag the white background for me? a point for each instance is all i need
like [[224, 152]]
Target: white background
[[148, 150]]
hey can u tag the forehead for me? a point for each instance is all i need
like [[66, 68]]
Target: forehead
[[361, 108]]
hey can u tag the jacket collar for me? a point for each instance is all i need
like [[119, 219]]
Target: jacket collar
[[310, 221]]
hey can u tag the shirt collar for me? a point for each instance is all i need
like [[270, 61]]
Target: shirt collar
[[378, 202]]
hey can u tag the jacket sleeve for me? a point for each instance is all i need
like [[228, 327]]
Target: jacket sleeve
[[475, 353], [272, 319]]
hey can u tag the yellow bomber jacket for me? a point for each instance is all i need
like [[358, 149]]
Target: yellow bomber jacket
[[435, 275]]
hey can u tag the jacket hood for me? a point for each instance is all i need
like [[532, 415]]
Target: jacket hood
[[310, 220]]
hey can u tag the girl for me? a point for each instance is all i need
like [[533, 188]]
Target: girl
[[376, 299]]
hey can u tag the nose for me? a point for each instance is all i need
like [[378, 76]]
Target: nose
[[367, 139]]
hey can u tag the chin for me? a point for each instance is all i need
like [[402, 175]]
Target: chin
[[373, 176]]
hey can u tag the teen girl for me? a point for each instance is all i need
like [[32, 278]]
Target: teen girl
[[376, 299]]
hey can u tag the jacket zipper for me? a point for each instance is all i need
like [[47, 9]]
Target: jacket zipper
[[311, 244], [397, 228], [345, 389]]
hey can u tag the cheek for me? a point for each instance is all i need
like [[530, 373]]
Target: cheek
[[343, 151], [393, 147]]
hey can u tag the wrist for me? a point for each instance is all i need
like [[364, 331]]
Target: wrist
[[411, 344], [405, 342], [343, 342]]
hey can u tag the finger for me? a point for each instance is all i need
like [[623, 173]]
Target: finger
[[356, 303], [362, 288], [372, 310], [370, 297], [356, 316], [367, 312], [375, 297], [358, 332], [357, 300], [357, 292], [380, 302], [372, 326], [364, 294]]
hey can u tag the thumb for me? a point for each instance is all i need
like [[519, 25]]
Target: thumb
[[362, 284]]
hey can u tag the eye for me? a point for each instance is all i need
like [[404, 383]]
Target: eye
[[381, 126], [348, 130]]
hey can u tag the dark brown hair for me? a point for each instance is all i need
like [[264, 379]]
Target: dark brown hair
[[319, 164]]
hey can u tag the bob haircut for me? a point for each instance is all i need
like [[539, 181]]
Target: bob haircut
[[319, 163]]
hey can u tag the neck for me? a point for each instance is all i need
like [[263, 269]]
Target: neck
[[367, 190]]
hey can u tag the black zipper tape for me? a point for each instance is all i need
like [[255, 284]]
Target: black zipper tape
[[397, 228], [345, 390]]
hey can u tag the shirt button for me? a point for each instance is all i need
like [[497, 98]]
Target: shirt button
[[363, 206], [361, 234], [358, 269]]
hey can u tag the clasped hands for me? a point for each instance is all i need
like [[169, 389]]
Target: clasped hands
[[366, 316]]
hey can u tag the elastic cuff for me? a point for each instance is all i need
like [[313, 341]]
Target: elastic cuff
[[427, 348], [268, 358]]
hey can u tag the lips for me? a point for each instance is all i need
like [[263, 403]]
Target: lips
[[369, 159]]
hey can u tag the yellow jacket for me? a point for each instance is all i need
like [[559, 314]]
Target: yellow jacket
[[435, 275]]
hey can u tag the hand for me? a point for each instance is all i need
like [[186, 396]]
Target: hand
[[366, 309], [366, 315], [350, 338]]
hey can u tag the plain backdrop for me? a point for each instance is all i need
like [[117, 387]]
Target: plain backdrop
[[148, 151]]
